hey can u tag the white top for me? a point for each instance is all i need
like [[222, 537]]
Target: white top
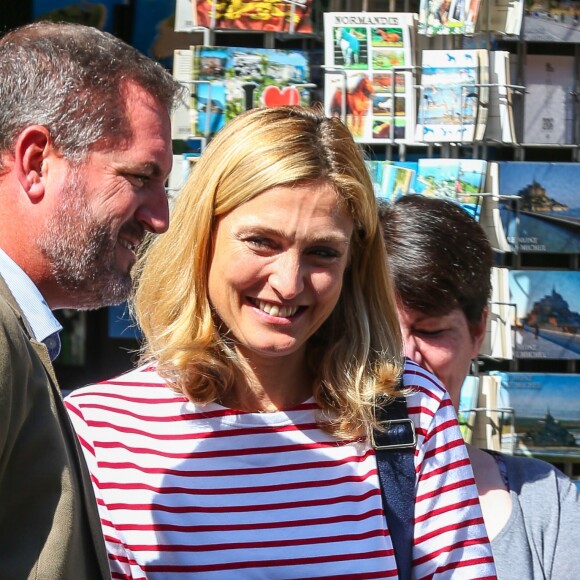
[[192, 491], [34, 307]]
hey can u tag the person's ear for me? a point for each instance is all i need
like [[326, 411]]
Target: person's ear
[[478, 331], [30, 153]]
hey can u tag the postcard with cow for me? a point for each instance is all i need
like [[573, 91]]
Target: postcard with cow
[[550, 99], [369, 69]]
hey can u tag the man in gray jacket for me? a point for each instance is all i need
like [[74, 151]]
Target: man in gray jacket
[[85, 149]]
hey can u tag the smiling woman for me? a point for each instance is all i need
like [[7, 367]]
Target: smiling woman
[[292, 247], [271, 329], [306, 180]]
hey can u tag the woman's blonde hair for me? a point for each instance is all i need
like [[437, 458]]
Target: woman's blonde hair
[[356, 354]]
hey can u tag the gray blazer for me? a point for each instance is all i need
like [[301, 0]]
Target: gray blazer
[[49, 524]]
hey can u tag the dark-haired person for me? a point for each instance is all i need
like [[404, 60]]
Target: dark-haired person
[[85, 148], [441, 263]]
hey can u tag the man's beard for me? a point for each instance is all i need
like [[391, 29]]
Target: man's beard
[[81, 252]]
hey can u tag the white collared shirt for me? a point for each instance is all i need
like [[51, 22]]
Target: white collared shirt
[[45, 327]]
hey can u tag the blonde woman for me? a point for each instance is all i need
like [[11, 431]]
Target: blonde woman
[[240, 448]]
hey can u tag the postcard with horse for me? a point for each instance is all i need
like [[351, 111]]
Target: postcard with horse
[[369, 74]]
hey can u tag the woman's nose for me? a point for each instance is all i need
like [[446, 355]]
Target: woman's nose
[[287, 277], [410, 346]]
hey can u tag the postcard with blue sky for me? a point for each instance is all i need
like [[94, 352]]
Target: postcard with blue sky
[[449, 98], [546, 412], [458, 179], [233, 79], [391, 180], [546, 319], [548, 216]]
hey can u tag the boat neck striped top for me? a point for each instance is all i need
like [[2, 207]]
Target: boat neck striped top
[[205, 492]]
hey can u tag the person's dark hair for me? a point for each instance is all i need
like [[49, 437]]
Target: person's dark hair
[[439, 256], [70, 78]]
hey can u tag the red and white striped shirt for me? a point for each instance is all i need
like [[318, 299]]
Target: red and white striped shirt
[[202, 491]]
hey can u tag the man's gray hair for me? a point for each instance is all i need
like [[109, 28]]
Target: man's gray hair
[[70, 78]]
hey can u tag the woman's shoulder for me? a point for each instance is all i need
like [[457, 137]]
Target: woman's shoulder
[[139, 384], [428, 402], [423, 387], [531, 477], [550, 508]]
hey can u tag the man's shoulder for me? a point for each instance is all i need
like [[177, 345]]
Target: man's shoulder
[[6, 304], [9, 311], [12, 331]]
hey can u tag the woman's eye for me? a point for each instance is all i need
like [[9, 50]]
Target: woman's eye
[[324, 252], [429, 333], [260, 242]]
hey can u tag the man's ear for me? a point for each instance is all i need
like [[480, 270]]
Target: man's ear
[[478, 331], [30, 153]]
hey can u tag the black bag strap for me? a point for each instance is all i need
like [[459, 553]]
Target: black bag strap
[[394, 448]]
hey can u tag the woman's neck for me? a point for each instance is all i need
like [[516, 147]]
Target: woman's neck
[[270, 384]]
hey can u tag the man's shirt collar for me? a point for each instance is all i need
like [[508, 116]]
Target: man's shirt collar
[[45, 327]]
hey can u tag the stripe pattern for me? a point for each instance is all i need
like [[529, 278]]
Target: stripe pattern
[[192, 491]]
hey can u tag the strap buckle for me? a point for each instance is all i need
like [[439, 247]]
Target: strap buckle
[[399, 434]]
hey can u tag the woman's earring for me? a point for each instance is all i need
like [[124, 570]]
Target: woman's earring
[[474, 367]]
